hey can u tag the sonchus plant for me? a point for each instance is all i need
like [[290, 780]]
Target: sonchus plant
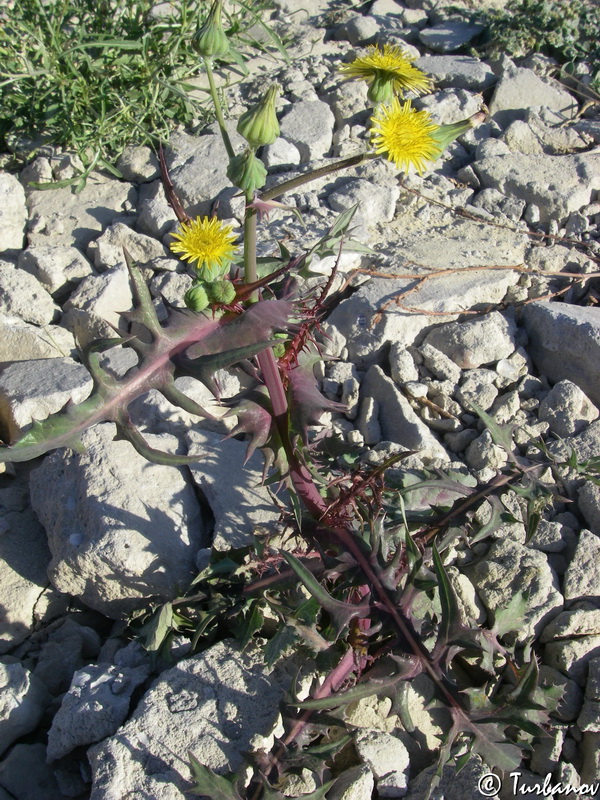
[[376, 606]]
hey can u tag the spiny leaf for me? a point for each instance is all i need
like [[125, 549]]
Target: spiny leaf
[[501, 434], [340, 612], [449, 604], [209, 784], [490, 743], [511, 617]]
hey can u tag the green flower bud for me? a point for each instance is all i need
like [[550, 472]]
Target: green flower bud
[[221, 292], [211, 40], [247, 172], [196, 298], [259, 124], [381, 88], [446, 134]]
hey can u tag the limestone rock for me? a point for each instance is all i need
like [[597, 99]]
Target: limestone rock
[[31, 390], [564, 343], [212, 705], [113, 548], [518, 89], [22, 701], [309, 126], [23, 296], [557, 185], [56, 268], [476, 342], [13, 213], [60, 217], [510, 568], [233, 490], [21, 341]]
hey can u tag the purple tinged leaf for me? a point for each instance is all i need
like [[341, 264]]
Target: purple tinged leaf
[[253, 419], [340, 612], [307, 404]]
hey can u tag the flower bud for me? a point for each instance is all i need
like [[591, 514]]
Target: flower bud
[[247, 172], [259, 125], [211, 40], [381, 88], [445, 134], [221, 292], [196, 298]]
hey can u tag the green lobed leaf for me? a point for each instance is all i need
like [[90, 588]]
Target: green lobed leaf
[[209, 784], [340, 612]]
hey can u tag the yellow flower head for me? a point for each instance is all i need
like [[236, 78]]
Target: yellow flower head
[[406, 136], [389, 71], [207, 242]]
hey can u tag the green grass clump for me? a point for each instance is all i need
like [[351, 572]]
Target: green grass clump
[[93, 76], [568, 31]]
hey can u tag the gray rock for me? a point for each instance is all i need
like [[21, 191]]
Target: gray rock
[[233, 490], [281, 154], [13, 213], [552, 537], [449, 36], [518, 89], [25, 774], [376, 204], [387, 758], [494, 202], [212, 705], [557, 185], [439, 364], [367, 422], [56, 268], [111, 547], [582, 579], [477, 387], [59, 217], [68, 648], [31, 390], [346, 377], [402, 365], [105, 296], [355, 783], [359, 30], [449, 105], [482, 453], [476, 342], [589, 505], [21, 341], [572, 656], [138, 164], [573, 623], [452, 786], [546, 752], [589, 718], [107, 251], [564, 343], [569, 704], [197, 165], [96, 704], [510, 568], [590, 769], [567, 409], [457, 72], [309, 126], [24, 559], [23, 296], [156, 217], [23, 700], [397, 420], [464, 243]]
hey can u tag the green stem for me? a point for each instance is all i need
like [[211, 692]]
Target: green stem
[[300, 180], [218, 109], [250, 273]]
